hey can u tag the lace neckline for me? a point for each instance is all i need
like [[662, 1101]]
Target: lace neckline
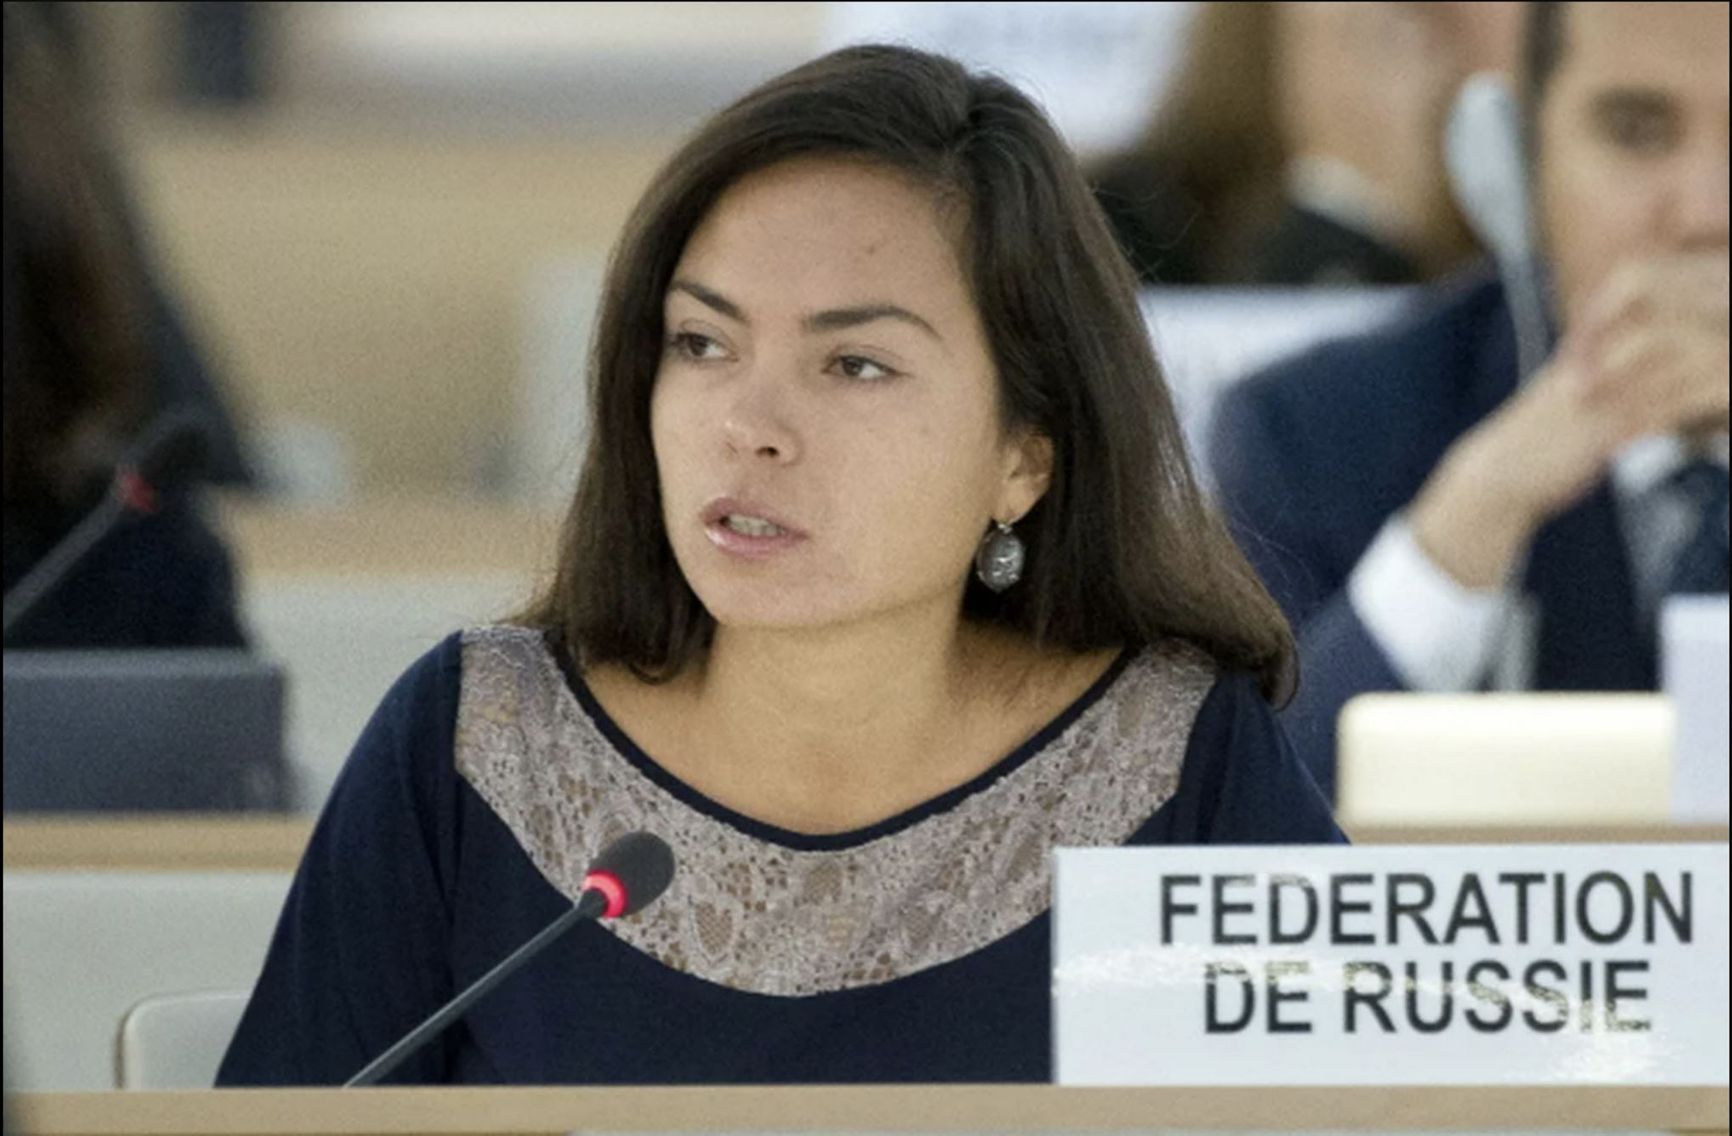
[[760, 916]]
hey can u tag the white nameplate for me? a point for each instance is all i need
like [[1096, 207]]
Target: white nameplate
[[1515, 965], [1693, 672]]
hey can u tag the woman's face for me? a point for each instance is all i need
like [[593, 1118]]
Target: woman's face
[[825, 416]]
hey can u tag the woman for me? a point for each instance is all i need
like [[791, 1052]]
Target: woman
[[886, 575]]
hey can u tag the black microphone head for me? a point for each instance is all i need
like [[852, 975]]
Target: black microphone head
[[641, 863], [173, 450]]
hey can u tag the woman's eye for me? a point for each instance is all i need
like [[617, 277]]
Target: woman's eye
[[694, 346], [860, 367]]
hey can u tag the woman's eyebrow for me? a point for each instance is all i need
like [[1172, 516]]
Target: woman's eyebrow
[[837, 319], [710, 299], [834, 319]]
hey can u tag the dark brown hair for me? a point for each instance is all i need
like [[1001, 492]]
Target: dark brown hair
[[1207, 178], [1122, 549], [76, 360]]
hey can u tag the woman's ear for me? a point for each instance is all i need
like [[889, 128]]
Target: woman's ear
[[1028, 474]]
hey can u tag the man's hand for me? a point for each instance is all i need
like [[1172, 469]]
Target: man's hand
[[1649, 357], [1658, 333]]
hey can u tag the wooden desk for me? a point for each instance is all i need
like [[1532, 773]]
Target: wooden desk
[[1540, 834], [156, 842], [386, 535], [204, 842], [920, 1108]]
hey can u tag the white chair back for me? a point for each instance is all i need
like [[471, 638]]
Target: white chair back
[[176, 1041], [82, 948]]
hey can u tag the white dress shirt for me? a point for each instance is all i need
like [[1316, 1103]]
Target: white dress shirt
[[1441, 636]]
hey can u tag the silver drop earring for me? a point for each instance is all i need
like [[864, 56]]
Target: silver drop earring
[[999, 559]]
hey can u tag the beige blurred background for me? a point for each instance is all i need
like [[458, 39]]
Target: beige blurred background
[[372, 247], [357, 251]]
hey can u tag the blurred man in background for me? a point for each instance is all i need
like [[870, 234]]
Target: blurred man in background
[[1433, 520]]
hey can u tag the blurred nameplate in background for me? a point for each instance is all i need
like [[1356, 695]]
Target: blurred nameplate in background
[[1564, 760], [1694, 645], [143, 731], [1504, 759]]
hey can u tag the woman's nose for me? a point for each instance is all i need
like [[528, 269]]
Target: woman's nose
[[756, 422]]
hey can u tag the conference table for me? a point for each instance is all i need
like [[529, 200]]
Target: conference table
[[876, 1108], [192, 842]]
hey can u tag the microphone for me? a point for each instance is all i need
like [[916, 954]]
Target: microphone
[[1487, 168], [628, 875], [170, 453]]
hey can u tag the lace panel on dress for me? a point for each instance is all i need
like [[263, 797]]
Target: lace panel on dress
[[756, 916]]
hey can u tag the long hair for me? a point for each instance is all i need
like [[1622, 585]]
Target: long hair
[[1207, 177], [77, 378], [1122, 548]]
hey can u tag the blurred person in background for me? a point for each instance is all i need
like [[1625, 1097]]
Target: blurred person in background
[[1301, 143], [1433, 520], [82, 378], [183, 372]]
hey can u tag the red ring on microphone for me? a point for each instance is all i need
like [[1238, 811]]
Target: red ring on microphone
[[611, 889], [135, 492]]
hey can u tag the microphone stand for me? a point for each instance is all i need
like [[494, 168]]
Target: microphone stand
[[169, 453], [589, 905], [42, 578]]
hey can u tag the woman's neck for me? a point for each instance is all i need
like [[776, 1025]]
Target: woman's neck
[[835, 729], [840, 704]]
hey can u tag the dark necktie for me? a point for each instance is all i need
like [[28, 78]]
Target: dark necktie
[[1700, 568]]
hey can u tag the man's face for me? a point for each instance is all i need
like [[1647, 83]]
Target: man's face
[[1633, 141]]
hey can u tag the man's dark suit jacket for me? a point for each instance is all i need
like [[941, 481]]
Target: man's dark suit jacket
[[1313, 456]]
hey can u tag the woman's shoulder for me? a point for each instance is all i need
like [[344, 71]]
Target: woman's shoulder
[[409, 738], [507, 670], [1240, 781], [1177, 663], [430, 681], [1164, 685], [508, 640]]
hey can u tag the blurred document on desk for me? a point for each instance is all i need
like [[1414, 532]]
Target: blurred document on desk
[[1693, 634]]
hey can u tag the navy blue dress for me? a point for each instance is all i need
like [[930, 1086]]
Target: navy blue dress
[[917, 949]]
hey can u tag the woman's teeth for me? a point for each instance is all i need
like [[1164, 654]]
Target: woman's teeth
[[752, 526]]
